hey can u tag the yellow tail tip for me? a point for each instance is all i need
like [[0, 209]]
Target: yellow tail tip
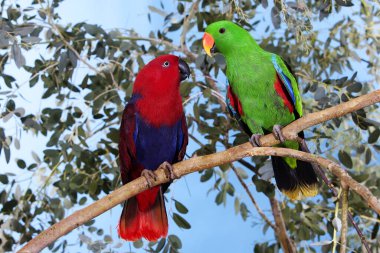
[[302, 192]]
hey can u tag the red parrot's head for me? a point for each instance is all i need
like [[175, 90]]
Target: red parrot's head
[[164, 72], [156, 90]]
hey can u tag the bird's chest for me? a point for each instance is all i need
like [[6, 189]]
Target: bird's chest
[[155, 145], [261, 104]]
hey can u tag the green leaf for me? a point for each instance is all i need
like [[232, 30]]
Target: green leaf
[[93, 29], [345, 3], [82, 201], [374, 136], [180, 221], [175, 241], [237, 205], [9, 206], [160, 244], [156, 10], [207, 175], [180, 207], [180, 8], [276, 18], [229, 188], [17, 55], [368, 155], [355, 87], [7, 153], [138, 244], [21, 163], [345, 158], [220, 197], [4, 179], [244, 211]]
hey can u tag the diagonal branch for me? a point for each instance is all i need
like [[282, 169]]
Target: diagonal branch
[[208, 161]]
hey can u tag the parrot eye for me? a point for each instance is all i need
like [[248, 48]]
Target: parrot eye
[[222, 30], [166, 64]]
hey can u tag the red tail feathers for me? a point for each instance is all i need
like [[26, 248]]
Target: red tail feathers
[[150, 223]]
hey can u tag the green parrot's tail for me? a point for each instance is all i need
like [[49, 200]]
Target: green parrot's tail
[[295, 183]]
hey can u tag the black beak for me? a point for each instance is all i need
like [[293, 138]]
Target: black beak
[[184, 69], [213, 49]]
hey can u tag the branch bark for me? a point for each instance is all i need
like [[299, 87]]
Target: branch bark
[[208, 161], [343, 233], [280, 229]]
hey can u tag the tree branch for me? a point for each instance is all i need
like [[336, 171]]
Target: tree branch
[[343, 233], [280, 229], [208, 161]]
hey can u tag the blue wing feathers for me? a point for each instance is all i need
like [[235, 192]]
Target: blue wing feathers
[[286, 81]]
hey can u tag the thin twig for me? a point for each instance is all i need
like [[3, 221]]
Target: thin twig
[[343, 233], [186, 25], [360, 234], [259, 210]]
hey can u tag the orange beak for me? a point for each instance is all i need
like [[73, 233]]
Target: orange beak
[[208, 43]]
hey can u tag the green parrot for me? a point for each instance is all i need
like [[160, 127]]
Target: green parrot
[[262, 96]]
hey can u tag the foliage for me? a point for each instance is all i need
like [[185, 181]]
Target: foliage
[[332, 47]]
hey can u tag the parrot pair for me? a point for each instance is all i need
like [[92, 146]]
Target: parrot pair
[[262, 96]]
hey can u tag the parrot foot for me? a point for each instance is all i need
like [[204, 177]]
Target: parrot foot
[[255, 140], [149, 176], [169, 167], [278, 133]]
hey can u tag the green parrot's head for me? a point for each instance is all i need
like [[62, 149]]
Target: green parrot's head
[[223, 36]]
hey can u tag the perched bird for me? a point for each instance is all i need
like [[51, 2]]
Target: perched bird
[[153, 134], [262, 96]]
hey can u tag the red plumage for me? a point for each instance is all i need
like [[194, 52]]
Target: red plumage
[[234, 101], [153, 130], [281, 91]]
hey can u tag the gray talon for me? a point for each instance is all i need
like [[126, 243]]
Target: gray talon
[[169, 167], [277, 132], [255, 140], [149, 175]]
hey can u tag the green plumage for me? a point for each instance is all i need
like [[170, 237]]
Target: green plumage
[[252, 74]]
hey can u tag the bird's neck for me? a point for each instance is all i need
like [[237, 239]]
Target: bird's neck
[[160, 108]]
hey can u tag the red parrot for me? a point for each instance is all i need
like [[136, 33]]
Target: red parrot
[[153, 133]]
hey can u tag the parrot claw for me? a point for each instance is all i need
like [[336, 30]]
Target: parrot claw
[[303, 145], [149, 175], [278, 133], [255, 140], [170, 169]]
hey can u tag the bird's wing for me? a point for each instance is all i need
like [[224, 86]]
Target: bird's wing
[[182, 140], [236, 110], [286, 86], [127, 142]]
